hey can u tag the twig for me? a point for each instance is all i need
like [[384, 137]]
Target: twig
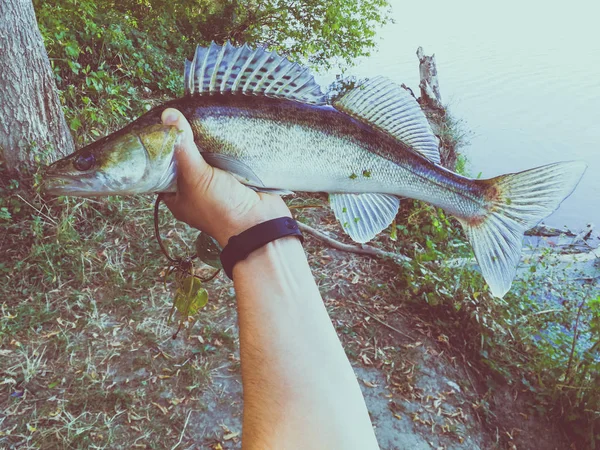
[[361, 250], [182, 431], [575, 337], [312, 205], [546, 311], [37, 210], [387, 325]]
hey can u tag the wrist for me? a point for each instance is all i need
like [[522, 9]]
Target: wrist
[[263, 212], [244, 244], [270, 262]]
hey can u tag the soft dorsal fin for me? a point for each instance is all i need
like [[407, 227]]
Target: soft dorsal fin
[[385, 105], [219, 69]]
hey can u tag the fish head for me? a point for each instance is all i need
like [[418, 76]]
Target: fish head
[[139, 160]]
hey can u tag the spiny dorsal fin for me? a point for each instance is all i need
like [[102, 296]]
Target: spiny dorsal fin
[[383, 104], [219, 69]]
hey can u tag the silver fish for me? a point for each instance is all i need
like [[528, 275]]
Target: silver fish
[[266, 121]]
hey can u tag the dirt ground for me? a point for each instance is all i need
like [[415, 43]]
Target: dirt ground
[[419, 394], [97, 368]]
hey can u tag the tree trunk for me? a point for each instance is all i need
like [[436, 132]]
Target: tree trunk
[[31, 117]]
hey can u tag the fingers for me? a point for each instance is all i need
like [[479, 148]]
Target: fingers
[[191, 165]]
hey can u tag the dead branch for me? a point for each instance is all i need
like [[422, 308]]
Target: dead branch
[[385, 324], [360, 249], [430, 88]]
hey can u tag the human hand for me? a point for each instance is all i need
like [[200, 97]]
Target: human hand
[[210, 199]]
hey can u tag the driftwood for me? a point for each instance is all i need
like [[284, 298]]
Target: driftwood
[[430, 88], [361, 249], [546, 231]]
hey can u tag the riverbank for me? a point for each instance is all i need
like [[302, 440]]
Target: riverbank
[[88, 359]]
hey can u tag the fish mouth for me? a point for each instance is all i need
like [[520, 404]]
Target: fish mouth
[[78, 185]]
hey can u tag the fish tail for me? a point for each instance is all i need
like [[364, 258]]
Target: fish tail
[[516, 203]]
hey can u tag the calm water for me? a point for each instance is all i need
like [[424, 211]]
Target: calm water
[[523, 75]]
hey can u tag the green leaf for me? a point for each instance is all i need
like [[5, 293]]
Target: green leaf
[[75, 124], [394, 234], [5, 213], [190, 297]]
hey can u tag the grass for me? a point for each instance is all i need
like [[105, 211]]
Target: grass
[[87, 355], [87, 358]]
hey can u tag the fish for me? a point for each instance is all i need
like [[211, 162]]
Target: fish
[[266, 121]]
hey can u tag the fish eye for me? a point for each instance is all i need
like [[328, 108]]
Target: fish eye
[[84, 162]]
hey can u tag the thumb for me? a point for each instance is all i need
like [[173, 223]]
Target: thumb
[[191, 166]]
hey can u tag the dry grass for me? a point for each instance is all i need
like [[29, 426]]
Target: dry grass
[[87, 358]]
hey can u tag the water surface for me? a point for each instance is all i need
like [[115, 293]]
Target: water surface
[[523, 75]]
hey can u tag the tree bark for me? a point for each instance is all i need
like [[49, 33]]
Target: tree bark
[[31, 118]]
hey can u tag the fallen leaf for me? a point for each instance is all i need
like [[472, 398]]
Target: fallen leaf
[[369, 384], [176, 401], [162, 408], [132, 416], [52, 333], [230, 436], [65, 323], [200, 338]]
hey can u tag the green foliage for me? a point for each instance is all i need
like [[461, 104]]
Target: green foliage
[[105, 64], [114, 60], [542, 338]]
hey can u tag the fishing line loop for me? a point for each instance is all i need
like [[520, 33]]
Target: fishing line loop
[[184, 265]]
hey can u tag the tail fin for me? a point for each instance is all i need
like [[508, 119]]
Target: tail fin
[[518, 202]]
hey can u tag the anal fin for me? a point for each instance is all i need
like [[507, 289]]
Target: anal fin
[[363, 216]]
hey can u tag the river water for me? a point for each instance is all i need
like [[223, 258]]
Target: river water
[[523, 75]]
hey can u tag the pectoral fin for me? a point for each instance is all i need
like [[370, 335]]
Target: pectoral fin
[[242, 172], [272, 190]]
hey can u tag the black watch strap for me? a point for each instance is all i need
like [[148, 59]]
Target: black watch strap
[[240, 246]]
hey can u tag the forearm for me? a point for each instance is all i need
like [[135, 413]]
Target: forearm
[[299, 388]]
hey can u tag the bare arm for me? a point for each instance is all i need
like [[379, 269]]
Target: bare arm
[[299, 388]]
